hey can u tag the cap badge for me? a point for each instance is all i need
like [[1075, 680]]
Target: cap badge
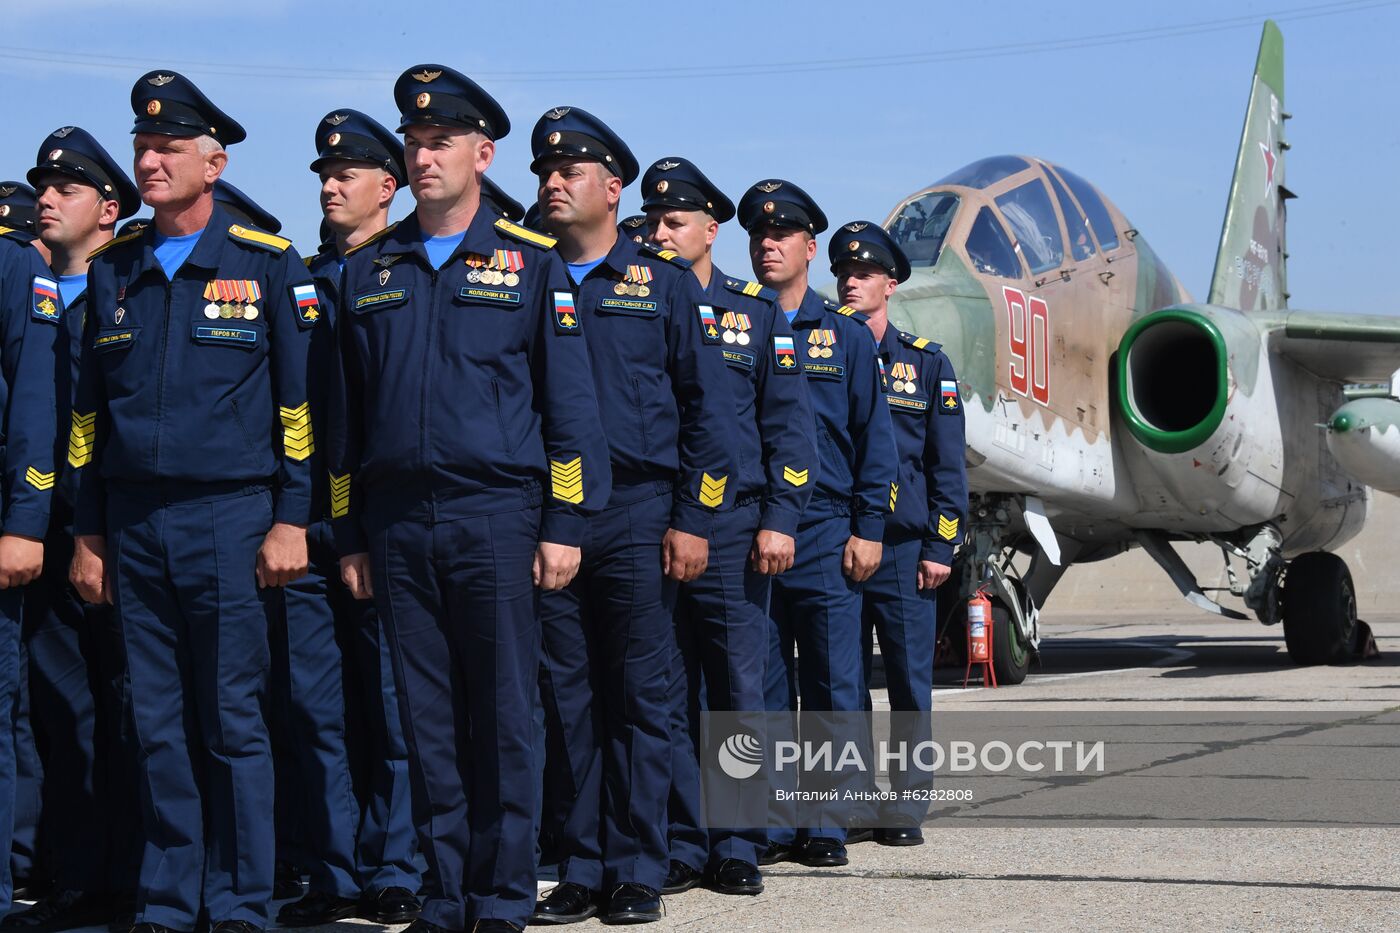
[[333, 139], [336, 119], [53, 156], [152, 107], [769, 207], [4, 210], [856, 227], [557, 113], [423, 99], [662, 185], [160, 80], [666, 166], [553, 139], [425, 75], [853, 245], [8, 190], [768, 187], [62, 132]]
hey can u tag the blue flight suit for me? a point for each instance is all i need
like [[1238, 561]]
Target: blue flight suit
[[29, 319], [722, 617], [77, 673], [815, 606], [609, 636], [927, 414], [191, 435], [471, 434]]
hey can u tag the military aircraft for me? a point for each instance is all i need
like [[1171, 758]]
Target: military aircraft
[[1106, 409]]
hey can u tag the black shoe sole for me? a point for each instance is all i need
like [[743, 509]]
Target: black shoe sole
[[835, 862], [738, 889], [401, 916], [629, 916], [788, 856], [900, 843], [681, 888], [343, 913], [554, 920]]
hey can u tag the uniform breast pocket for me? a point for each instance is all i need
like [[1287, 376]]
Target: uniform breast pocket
[[365, 302], [241, 336], [112, 339]]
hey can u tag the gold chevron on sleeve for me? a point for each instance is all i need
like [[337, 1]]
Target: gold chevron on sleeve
[[947, 528], [297, 442], [40, 481], [795, 477], [566, 480], [81, 438], [712, 490], [894, 494], [340, 495]]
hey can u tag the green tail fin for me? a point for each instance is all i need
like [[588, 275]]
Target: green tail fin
[[1250, 271]]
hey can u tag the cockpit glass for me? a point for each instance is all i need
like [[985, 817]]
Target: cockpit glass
[[921, 226], [986, 172], [1031, 217], [989, 249], [1093, 205], [1080, 243]]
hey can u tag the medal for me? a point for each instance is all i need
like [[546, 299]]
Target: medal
[[643, 291], [511, 279], [826, 353], [899, 385], [743, 339], [633, 289], [225, 310], [238, 312], [814, 352], [620, 288], [474, 276], [908, 387], [250, 312], [211, 310], [729, 336]]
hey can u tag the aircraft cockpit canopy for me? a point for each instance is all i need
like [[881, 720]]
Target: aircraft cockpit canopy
[[985, 172], [922, 224]]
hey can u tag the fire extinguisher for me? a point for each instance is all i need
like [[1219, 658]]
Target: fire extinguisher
[[979, 637]]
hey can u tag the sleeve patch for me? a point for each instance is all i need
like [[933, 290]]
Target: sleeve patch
[[795, 477], [894, 495], [565, 313], [39, 480], [81, 438], [712, 490], [45, 303], [307, 304], [340, 495], [709, 326], [948, 401], [566, 480], [297, 442], [947, 528], [784, 354]]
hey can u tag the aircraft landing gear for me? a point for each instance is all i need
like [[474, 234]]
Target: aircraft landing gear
[[1319, 609]]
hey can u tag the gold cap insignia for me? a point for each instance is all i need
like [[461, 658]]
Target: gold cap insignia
[[853, 245], [160, 80], [553, 139], [425, 75], [63, 131], [423, 99], [333, 139], [53, 156], [4, 210], [769, 207], [661, 186], [768, 187], [336, 119], [152, 107], [666, 166], [556, 114]]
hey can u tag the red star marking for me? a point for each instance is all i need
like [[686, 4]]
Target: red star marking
[[1269, 160]]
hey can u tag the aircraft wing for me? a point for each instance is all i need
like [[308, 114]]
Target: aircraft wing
[[1340, 347]]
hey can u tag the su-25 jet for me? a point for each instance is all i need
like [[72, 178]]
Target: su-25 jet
[[1106, 409]]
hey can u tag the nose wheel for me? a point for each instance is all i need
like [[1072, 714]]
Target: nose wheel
[[1319, 609]]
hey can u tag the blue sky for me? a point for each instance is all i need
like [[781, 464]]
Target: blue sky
[[860, 104]]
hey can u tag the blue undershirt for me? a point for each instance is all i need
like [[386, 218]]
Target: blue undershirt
[[440, 248], [172, 251], [579, 270], [71, 286], [792, 314]]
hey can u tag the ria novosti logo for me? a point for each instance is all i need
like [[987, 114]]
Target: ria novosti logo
[[741, 756]]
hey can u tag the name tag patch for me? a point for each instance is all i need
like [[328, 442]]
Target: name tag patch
[[241, 336], [820, 370], [628, 305], [388, 297], [495, 295], [905, 403], [739, 358], [113, 339]]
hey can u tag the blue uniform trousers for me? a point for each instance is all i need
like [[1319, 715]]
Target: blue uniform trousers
[[902, 617], [77, 671], [605, 678], [462, 617], [815, 609], [25, 861], [309, 695], [722, 642], [11, 611], [194, 623]]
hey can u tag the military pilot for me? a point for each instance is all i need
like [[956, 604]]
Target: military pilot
[[722, 618], [352, 765], [191, 435], [926, 411], [609, 638], [29, 319], [816, 604], [473, 454], [76, 658]]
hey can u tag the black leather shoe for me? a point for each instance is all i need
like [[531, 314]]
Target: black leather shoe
[[389, 905], [778, 852], [496, 926], [822, 852], [61, 910], [900, 836], [566, 903], [633, 903], [235, 926], [317, 908], [30, 889], [736, 876], [857, 836], [150, 928], [425, 926], [680, 878]]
